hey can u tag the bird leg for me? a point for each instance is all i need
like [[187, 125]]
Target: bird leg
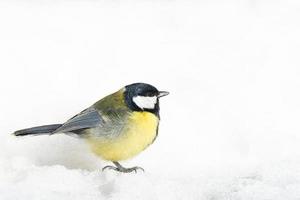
[[122, 169]]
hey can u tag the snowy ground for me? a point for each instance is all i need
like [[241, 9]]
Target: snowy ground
[[229, 129]]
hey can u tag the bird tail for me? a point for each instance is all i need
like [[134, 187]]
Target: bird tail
[[39, 130]]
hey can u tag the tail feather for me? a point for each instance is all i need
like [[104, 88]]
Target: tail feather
[[39, 130]]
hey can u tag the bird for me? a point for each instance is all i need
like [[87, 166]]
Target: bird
[[117, 127]]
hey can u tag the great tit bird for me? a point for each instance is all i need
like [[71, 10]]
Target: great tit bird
[[117, 127]]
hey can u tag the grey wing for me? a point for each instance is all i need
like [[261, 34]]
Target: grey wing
[[89, 118]]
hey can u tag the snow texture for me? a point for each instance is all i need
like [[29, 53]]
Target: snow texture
[[229, 128]]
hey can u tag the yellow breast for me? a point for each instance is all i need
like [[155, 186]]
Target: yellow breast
[[139, 132]]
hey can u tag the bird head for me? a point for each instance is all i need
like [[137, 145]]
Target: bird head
[[143, 97]]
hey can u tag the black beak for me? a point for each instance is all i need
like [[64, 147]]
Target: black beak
[[162, 94]]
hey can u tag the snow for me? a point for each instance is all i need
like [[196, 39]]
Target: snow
[[229, 128]]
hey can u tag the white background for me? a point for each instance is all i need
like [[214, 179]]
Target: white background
[[229, 128]]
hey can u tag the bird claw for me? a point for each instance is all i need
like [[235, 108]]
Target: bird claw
[[110, 167], [135, 169], [123, 170]]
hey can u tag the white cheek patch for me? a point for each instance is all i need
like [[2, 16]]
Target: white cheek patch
[[145, 102]]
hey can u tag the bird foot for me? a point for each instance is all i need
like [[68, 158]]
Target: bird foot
[[123, 169]]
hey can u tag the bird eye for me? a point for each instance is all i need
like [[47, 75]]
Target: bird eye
[[149, 94]]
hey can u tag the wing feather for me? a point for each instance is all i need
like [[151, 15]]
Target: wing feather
[[88, 118]]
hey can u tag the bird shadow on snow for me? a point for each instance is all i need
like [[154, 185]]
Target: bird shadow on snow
[[63, 150], [68, 155]]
